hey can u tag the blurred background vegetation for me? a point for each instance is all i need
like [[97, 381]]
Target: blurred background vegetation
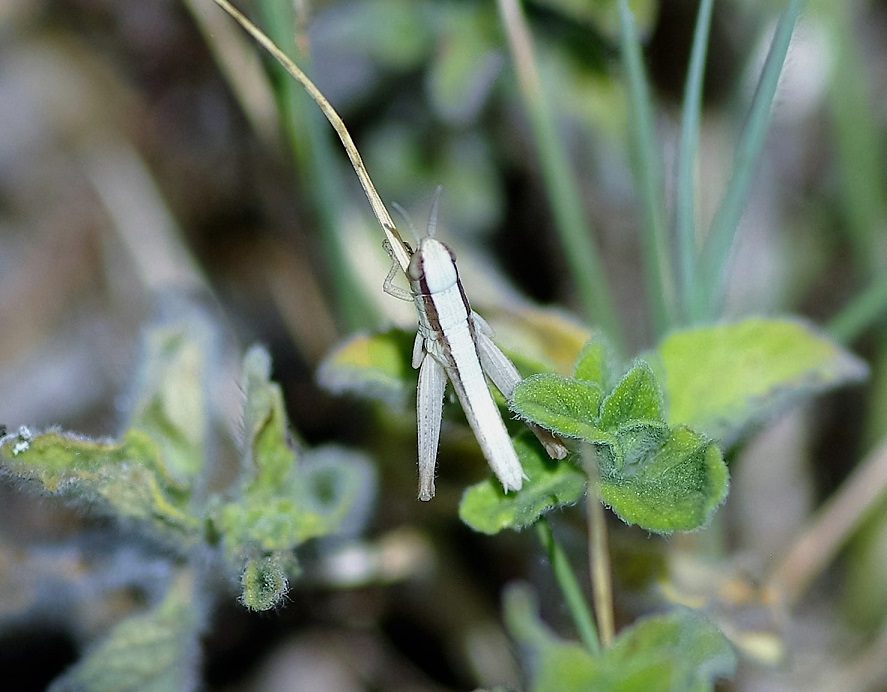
[[150, 155]]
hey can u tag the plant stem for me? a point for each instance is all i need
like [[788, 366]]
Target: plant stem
[[857, 139], [313, 153], [834, 524], [582, 257], [242, 68], [865, 310], [716, 252], [685, 205], [598, 551], [563, 573]]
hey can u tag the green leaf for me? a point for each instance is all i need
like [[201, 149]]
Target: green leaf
[[663, 479], [285, 499], [638, 439], [595, 363], [677, 488], [268, 455], [677, 652], [339, 485], [171, 405], [127, 476], [723, 378], [636, 397], [265, 525], [372, 365], [148, 473], [155, 651], [327, 493], [264, 581], [564, 405], [550, 662], [681, 650], [550, 483], [314, 500]]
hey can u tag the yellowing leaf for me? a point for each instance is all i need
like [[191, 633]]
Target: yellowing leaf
[[374, 365]]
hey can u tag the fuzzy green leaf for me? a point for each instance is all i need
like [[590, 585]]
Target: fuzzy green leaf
[[681, 650], [595, 363], [148, 473], [638, 439], [171, 405], [677, 652], [152, 652], [373, 365], [636, 397], [328, 492], [550, 483], [660, 478], [266, 525], [314, 500], [269, 456], [264, 581], [723, 378], [564, 405], [677, 488], [126, 475], [284, 499]]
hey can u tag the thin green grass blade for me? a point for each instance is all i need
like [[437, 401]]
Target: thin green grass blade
[[716, 252], [858, 144], [583, 260], [648, 169], [574, 600], [316, 161], [865, 310], [685, 203]]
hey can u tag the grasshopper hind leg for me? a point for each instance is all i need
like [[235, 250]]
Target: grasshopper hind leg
[[429, 409]]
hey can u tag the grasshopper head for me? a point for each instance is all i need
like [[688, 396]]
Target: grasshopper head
[[432, 267]]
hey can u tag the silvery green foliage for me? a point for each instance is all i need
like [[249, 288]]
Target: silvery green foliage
[[153, 477]]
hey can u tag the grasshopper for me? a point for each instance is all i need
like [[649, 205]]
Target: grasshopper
[[453, 341]]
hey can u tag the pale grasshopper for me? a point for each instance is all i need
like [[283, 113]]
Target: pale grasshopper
[[453, 341]]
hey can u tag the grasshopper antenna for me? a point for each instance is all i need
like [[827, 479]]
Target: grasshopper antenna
[[432, 217], [409, 221]]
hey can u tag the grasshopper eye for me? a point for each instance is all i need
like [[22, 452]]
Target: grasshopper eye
[[415, 270]]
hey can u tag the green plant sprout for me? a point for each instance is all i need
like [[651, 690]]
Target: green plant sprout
[[153, 479], [647, 433]]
